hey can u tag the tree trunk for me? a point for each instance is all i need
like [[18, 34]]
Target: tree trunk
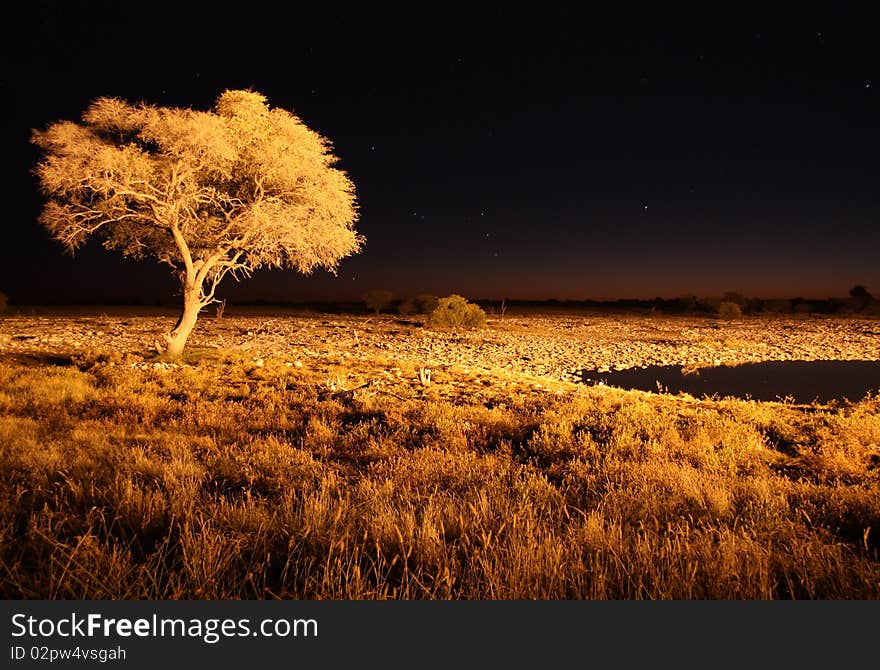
[[192, 305]]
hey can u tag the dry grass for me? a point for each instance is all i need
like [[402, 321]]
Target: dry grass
[[351, 480]]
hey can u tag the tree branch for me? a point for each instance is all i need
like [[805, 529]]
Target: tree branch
[[230, 265]]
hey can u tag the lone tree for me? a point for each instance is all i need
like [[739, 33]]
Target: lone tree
[[226, 191], [377, 300], [860, 296]]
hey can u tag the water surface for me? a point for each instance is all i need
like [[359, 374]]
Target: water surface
[[801, 381]]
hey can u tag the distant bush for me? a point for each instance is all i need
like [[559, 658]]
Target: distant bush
[[423, 303], [835, 306], [729, 310], [687, 303], [406, 307], [456, 312], [753, 306], [377, 300], [4, 302], [709, 305], [426, 303], [777, 306], [860, 298], [746, 305], [734, 297]]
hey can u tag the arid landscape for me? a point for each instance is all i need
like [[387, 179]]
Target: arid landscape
[[479, 330], [335, 456]]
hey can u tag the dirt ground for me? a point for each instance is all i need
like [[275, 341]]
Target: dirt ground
[[552, 347]]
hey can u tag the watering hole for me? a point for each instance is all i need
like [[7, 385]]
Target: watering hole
[[802, 381]]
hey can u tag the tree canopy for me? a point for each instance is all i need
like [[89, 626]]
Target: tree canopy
[[209, 193]]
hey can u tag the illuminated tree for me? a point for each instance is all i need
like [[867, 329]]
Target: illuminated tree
[[215, 193]]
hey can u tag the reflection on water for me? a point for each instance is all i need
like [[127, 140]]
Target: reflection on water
[[802, 381]]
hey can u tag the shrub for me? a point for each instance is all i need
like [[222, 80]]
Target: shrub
[[734, 297], [425, 303], [778, 306], [377, 300], [753, 306], [860, 298], [729, 310], [708, 305], [687, 303], [456, 312]]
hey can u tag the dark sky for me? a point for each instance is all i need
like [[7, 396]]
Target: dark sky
[[532, 153]]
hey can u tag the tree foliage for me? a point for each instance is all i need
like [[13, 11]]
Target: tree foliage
[[231, 190], [377, 300]]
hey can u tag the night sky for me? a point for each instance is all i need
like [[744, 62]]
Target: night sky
[[527, 153]]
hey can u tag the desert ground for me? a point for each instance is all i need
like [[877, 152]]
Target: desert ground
[[308, 455], [550, 347]]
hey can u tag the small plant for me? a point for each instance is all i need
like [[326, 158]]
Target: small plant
[[377, 300], [221, 307], [456, 312], [729, 310]]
